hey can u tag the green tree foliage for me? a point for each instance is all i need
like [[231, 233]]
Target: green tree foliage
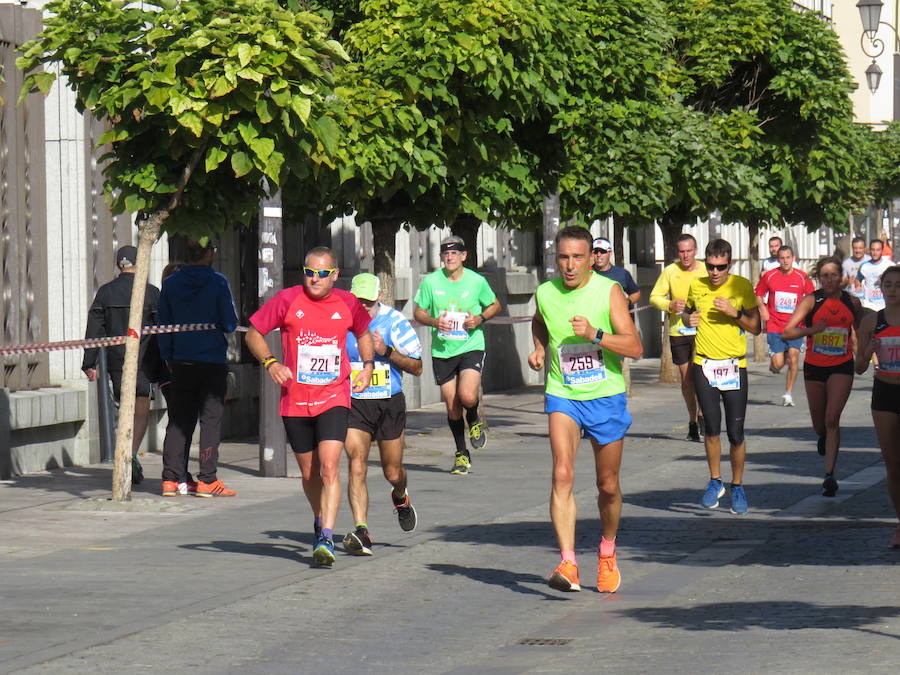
[[241, 85], [884, 162], [774, 79]]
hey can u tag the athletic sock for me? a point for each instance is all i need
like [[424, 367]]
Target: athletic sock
[[607, 547], [458, 429], [327, 533], [472, 414], [401, 498], [364, 526], [568, 555]]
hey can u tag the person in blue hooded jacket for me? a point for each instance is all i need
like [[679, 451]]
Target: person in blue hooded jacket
[[198, 363]]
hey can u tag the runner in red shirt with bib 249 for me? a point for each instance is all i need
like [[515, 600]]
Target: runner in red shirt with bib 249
[[782, 287], [315, 319]]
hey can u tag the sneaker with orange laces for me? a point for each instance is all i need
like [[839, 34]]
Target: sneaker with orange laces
[[169, 488], [214, 489], [608, 576], [564, 577]]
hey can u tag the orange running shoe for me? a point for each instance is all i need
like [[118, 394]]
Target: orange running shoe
[[564, 577], [608, 576], [214, 489], [169, 488]]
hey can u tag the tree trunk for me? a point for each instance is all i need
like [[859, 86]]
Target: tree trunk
[[759, 341], [384, 237], [466, 226], [148, 233], [671, 226], [618, 242], [550, 228]]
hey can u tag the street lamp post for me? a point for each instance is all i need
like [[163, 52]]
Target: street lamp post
[[872, 46]]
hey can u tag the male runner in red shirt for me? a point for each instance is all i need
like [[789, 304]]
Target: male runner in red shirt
[[782, 287], [314, 377]]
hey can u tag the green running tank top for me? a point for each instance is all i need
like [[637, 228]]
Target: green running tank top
[[578, 369]]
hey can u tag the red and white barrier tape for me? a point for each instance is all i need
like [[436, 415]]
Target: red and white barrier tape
[[93, 343]]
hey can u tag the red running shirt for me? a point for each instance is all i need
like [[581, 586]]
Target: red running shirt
[[313, 342], [831, 347], [785, 293]]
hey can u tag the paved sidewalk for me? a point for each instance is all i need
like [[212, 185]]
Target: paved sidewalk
[[803, 584]]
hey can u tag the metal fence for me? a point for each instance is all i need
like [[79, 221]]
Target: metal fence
[[23, 224]]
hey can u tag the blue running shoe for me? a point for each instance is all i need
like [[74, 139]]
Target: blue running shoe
[[739, 505], [714, 490], [323, 554]]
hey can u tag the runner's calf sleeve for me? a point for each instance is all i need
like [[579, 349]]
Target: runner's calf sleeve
[[458, 429], [472, 414]]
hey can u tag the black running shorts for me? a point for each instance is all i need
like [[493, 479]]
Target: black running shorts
[[384, 419], [305, 433], [814, 373], [142, 388], [682, 347], [886, 397], [446, 369]]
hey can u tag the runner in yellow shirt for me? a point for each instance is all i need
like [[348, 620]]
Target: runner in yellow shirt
[[722, 308], [669, 295]]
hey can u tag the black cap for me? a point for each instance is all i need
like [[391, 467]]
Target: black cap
[[126, 257]]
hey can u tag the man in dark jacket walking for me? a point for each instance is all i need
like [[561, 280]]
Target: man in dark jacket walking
[[199, 368], [108, 317]]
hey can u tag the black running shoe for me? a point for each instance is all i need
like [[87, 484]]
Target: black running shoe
[[821, 445], [358, 542], [137, 472], [477, 435], [829, 486], [406, 514], [693, 432]]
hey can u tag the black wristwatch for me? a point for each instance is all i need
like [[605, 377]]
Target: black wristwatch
[[387, 353], [739, 314], [598, 336]]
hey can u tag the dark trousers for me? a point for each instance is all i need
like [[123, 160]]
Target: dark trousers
[[197, 392]]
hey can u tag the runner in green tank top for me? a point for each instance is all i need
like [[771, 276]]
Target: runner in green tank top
[[581, 329]]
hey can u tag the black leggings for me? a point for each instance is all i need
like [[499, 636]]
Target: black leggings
[[735, 403]]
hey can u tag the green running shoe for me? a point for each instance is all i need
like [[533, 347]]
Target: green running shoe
[[461, 465], [477, 435]]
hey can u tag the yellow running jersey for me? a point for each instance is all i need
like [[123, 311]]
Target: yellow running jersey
[[719, 336]]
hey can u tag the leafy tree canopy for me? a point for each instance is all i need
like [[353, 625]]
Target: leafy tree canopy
[[243, 85]]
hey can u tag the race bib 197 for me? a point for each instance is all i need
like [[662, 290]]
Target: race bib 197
[[723, 374], [785, 302], [379, 385], [581, 363], [318, 364], [831, 342], [457, 330]]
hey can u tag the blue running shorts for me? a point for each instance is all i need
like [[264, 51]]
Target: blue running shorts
[[778, 345], [606, 419]]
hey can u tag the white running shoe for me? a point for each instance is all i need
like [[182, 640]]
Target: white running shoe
[[787, 399]]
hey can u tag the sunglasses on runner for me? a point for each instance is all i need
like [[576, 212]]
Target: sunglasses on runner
[[720, 268], [310, 272]]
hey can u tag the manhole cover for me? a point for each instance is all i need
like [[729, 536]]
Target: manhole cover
[[545, 642]]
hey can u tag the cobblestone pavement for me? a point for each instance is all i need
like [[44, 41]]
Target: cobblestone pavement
[[803, 584]]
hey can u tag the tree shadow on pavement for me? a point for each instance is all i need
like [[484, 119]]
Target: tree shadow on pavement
[[495, 577], [770, 615]]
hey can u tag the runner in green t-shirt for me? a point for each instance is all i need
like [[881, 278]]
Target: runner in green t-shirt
[[581, 329], [455, 302]]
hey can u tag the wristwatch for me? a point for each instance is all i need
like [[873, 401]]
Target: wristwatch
[[387, 352], [739, 314], [598, 336]]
